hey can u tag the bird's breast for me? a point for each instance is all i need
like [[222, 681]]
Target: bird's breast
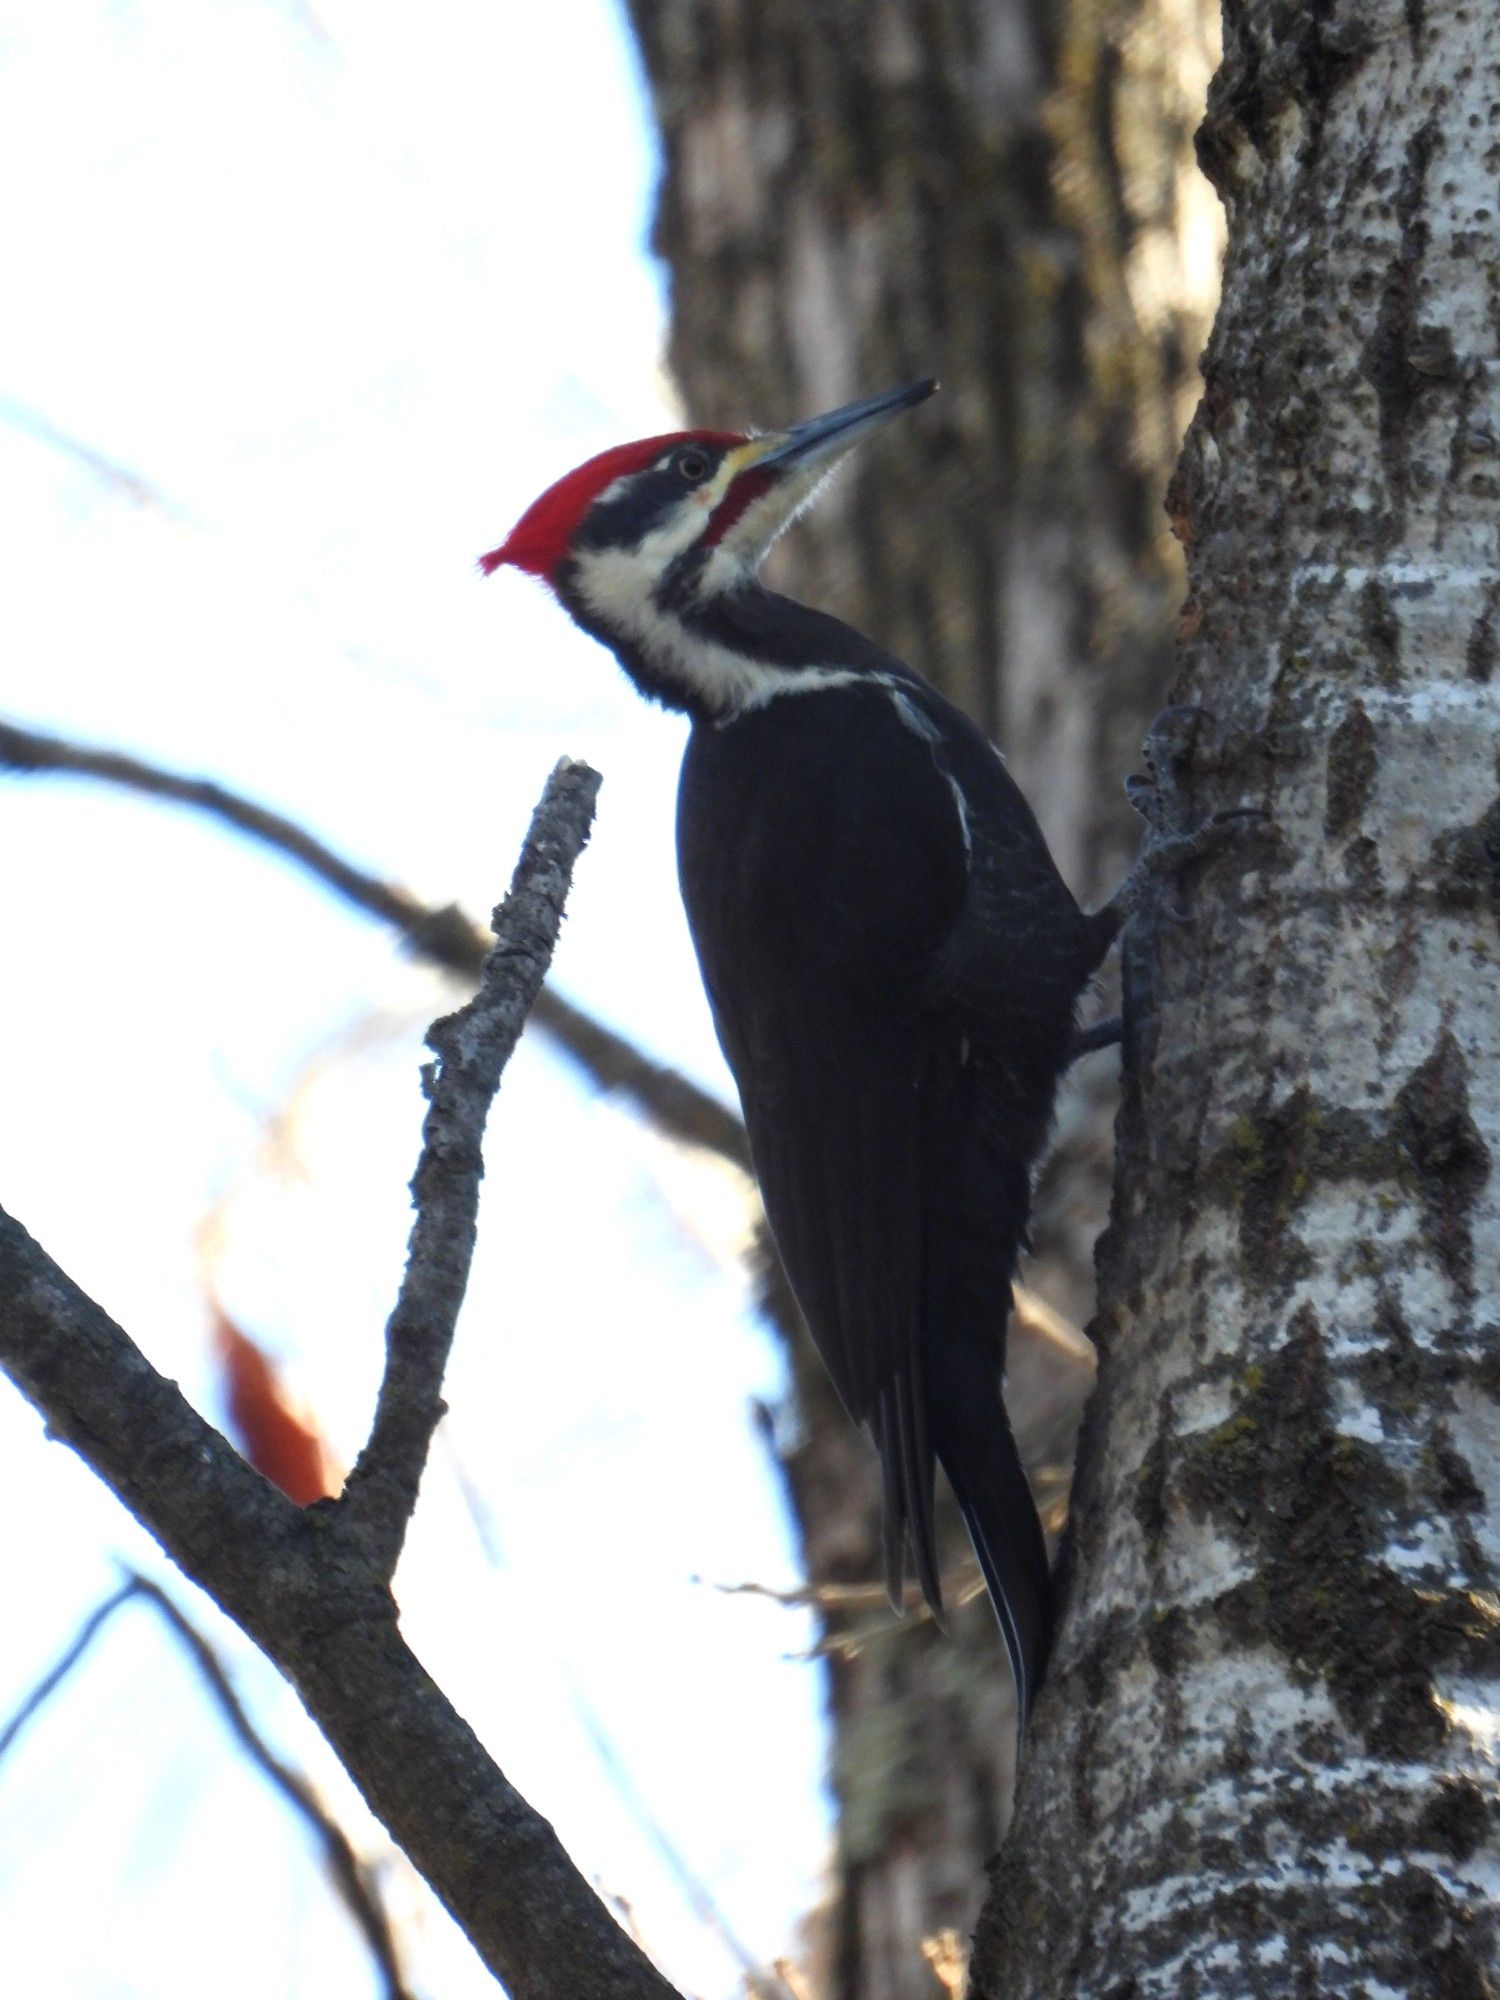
[[818, 833]]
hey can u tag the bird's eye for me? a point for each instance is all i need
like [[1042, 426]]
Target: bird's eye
[[692, 466]]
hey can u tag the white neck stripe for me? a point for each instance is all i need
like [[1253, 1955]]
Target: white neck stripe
[[616, 586]]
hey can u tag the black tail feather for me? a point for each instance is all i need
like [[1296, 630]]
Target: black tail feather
[[978, 1452], [899, 1428], [917, 1495]]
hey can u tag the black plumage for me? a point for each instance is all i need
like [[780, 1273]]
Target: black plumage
[[893, 961]]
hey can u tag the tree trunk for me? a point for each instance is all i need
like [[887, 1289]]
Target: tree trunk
[[1000, 192], [1266, 1760]]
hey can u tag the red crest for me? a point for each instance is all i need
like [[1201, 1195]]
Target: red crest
[[541, 538]]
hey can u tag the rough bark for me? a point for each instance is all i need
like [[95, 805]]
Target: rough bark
[[1000, 192], [1266, 1760]]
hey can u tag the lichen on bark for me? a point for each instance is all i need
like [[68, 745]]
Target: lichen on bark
[[1266, 1763]]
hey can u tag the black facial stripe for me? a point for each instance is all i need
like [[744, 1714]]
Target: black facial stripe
[[644, 501], [749, 620], [678, 587]]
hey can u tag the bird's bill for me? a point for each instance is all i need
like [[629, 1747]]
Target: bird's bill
[[764, 483], [822, 439]]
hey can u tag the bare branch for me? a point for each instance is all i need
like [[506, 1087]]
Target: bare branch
[[472, 1047], [695, 1890], [673, 1103], [121, 480], [760, 1982], [56, 1674], [350, 1877], [289, 1581], [444, 936], [210, 1510], [310, 1586]]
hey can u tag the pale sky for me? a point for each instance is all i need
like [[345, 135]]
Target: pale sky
[[335, 290]]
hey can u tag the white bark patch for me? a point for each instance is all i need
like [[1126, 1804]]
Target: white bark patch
[[1474, 1421], [1270, 1759]]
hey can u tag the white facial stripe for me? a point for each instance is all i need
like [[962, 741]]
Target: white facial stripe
[[687, 525], [744, 547], [672, 538], [617, 586], [764, 519], [723, 479], [723, 570], [614, 489]]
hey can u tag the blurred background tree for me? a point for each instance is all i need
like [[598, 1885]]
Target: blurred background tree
[[1002, 193]]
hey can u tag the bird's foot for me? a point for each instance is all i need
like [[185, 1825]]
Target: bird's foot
[[1164, 856], [1160, 796], [1174, 840]]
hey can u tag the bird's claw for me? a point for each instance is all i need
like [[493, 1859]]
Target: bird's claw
[[1163, 856], [1142, 794], [1158, 795], [1173, 840]]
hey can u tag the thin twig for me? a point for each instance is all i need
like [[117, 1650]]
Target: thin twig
[[55, 1675], [442, 935], [963, 1588], [350, 1877], [120, 480], [314, 1595], [700, 1898], [472, 1048], [696, 1892], [672, 1103]]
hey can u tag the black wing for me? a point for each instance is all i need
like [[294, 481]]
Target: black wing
[[823, 862], [838, 861], [835, 1130], [1009, 973]]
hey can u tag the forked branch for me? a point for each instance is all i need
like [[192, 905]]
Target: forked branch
[[472, 1048], [312, 1586]]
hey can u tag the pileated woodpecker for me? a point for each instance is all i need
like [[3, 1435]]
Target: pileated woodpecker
[[892, 959]]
